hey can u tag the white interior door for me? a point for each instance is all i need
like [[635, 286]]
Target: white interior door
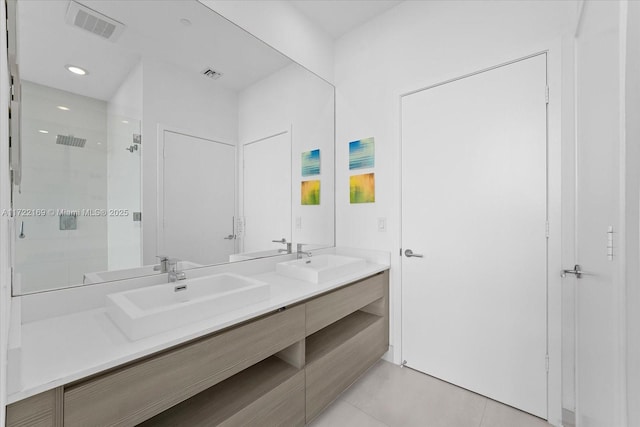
[[267, 192], [198, 198], [599, 400], [474, 205]]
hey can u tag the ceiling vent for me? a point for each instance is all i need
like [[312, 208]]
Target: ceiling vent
[[81, 16], [211, 73]]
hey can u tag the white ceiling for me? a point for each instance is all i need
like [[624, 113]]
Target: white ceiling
[[46, 44], [337, 17]]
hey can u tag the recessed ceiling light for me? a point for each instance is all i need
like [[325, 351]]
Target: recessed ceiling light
[[76, 70], [125, 121], [185, 22], [63, 108], [99, 143], [43, 131]]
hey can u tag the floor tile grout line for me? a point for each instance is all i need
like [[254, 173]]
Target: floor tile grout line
[[484, 410], [364, 412]]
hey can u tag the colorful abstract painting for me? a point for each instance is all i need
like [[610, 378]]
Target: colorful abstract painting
[[362, 188], [310, 192], [361, 154], [311, 163]]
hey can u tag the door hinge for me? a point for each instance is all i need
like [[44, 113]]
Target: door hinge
[[546, 362], [546, 94], [546, 229]]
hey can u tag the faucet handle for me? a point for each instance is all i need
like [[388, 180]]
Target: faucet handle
[[283, 240], [163, 264], [173, 264]]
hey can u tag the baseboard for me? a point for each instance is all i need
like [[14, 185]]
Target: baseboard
[[388, 356]]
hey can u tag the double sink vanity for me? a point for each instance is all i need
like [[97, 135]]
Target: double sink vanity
[[260, 342]]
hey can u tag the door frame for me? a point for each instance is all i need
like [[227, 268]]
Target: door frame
[[555, 143], [160, 179]]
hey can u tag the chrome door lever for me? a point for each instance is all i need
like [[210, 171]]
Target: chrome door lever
[[577, 270], [409, 254], [230, 237]]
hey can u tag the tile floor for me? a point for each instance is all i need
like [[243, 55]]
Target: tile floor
[[388, 395]]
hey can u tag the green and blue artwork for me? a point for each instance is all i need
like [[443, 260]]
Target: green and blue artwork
[[361, 154], [311, 163]]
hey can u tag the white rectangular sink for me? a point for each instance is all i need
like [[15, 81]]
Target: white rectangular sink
[[128, 273], [148, 311], [320, 268]]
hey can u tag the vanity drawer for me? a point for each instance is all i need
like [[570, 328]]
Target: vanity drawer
[[130, 395], [331, 307]]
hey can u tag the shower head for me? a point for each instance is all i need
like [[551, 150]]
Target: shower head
[[70, 140]]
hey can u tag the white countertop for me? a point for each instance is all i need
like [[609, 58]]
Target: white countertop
[[66, 348]]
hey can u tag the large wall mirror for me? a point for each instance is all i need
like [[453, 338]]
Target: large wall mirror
[[158, 128]]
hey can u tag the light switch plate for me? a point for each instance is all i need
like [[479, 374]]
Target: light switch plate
[[382, 224], [298, 222]]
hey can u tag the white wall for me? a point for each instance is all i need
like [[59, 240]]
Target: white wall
[[599, 135], [124, 117], [414, 45], [5, 203], [178, 99], [295, 99], [284, 28], [56, 177], [633, 210]]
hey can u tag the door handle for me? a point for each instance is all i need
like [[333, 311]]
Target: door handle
[[409, 254], [230, 237], [577, 270]]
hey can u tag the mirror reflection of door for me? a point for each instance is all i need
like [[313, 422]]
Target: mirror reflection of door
[[267, 193], [198, 199]]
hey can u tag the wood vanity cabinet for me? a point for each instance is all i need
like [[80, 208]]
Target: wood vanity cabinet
[[41, 410], [279, 369]]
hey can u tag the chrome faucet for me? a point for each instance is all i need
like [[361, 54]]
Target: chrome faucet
[[300, 252], [164, 264], [284, 242], [175, 275]]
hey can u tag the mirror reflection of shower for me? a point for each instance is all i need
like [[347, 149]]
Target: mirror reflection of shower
[[73, 163]]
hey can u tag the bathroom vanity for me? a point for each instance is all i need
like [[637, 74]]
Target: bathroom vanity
[[280, 367]]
